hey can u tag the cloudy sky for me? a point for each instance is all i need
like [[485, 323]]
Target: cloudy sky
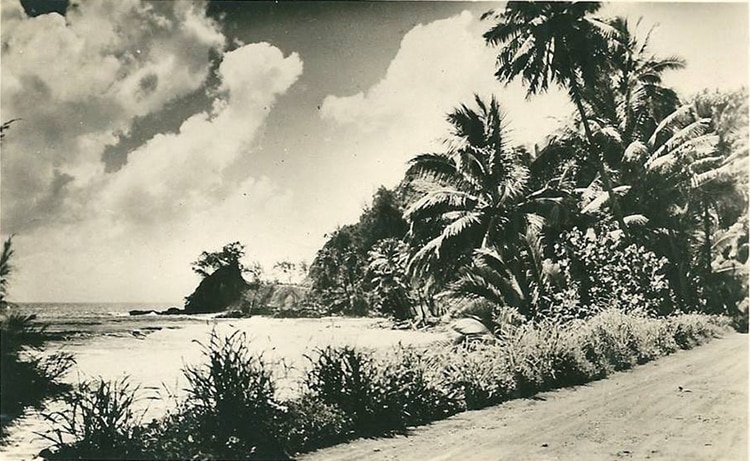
[[152, 131]]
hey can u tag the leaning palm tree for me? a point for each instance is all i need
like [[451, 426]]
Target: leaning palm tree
[[556, 42], [630, 99], [475, 196]]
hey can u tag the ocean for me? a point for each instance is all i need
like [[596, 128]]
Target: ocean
[[83, 311], [71, 321]]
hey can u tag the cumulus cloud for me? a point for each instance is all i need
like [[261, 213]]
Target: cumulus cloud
[[174, 174], [438, 66], [133, 231], [79, 81]]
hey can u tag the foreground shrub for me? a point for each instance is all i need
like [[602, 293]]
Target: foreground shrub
[[690, 330], [231, 411], [475, 374], [310, 424], [97, 422], [380, 396]]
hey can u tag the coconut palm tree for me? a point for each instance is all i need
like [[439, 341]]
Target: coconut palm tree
[[629, 99], [642, 99], [475, 196], [562, 43]]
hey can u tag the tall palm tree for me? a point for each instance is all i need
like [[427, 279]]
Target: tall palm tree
[[476, 196], [643, 99], [556, 42], [630, 97]]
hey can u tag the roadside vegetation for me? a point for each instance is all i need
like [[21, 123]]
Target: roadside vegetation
[[622, 239], [231, 410]]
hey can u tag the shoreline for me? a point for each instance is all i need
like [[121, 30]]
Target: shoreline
[[154, 361]]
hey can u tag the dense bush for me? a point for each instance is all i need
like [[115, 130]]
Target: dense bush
[[379, 395], [543, 355], [608, 270], [475, 373], [311, 423]]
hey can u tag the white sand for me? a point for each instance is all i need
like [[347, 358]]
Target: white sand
[[155, 361]]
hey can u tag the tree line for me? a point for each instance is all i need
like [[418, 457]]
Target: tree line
[[640, 200]]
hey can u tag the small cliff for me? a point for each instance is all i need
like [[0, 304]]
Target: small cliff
[[216, 292], [227, 290]]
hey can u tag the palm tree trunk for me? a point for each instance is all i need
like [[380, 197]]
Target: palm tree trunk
[[706, 238], [489, 237], [616, 210]]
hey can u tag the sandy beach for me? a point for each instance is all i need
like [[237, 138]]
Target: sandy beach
[[151, 351]]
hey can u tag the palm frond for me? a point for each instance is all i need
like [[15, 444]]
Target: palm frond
[[685, 134], [5, 269], [698, 180], [603, 197], [439, 202], [636, 220], [634, 152], [680, 115]]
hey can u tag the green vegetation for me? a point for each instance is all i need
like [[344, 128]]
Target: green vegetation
[[642, 197], [231, 410]]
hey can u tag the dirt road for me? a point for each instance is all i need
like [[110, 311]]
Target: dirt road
[[692, 405]]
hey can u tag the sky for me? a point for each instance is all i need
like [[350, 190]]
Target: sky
[[152, 131]]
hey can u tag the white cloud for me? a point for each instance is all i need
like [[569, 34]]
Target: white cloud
[[132, 233], [177, 173], [438, 66], [78, 81]]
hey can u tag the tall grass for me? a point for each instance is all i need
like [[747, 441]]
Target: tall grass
[[98, 421], [232, 411]]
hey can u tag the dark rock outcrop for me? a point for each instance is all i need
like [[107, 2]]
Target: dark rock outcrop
[[170, 311], [221, 289]]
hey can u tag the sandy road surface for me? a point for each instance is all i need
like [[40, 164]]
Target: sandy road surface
[[692, 405]]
